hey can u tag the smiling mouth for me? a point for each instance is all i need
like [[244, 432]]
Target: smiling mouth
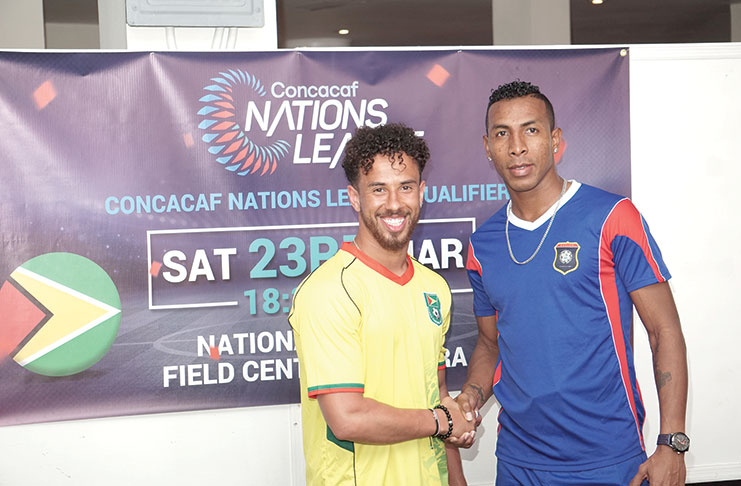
[[395, 223]]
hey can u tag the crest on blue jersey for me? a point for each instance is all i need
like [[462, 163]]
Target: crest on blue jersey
[[567, 257], [433, 308]]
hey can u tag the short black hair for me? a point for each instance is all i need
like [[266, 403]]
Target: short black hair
[[518, 89], [389, 140]]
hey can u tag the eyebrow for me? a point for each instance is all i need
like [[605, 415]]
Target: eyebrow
[[402, 183], [501, 125]]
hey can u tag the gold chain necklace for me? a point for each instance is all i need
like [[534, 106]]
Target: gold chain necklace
[[506, 228]]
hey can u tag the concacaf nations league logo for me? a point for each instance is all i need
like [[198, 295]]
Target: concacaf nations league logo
[[59, 314], [225, 136]]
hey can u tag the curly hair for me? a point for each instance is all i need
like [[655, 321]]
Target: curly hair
[[390, 140], [518, 89]]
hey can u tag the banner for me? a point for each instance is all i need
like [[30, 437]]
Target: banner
[[159, 209]]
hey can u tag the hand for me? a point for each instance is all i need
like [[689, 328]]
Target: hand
[[464, 432], [664, 468], [468, 401]]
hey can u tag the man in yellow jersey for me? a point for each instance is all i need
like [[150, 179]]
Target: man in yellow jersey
[[370, 326]]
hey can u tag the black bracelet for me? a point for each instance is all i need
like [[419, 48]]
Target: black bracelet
[[450, 423]]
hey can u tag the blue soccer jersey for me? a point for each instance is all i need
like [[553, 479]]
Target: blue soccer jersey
[[565, 377]]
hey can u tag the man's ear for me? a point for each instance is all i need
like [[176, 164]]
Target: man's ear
[[354, 196], [556, 139], [486, 147]]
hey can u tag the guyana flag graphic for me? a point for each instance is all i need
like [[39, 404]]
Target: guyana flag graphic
[[59, 314], [433, 308]]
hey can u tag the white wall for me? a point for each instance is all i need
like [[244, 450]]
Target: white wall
[[531, 22], [685, 125], [735, 21], [112, 24], [67, 35], [224, 447], [22, 24], [686, 120]]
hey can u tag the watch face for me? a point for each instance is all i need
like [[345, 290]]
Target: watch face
[[680, 442]]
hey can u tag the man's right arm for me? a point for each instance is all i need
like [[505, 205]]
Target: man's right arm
[[356, 418], [477, 389]]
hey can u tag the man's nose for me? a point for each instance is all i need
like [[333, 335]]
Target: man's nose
[[517, 145], [393, 201]]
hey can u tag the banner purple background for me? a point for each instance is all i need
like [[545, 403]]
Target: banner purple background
[[82, 135]]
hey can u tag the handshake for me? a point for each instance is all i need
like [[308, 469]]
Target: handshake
[[464, 416]]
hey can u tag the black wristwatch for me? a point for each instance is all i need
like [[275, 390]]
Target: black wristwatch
[[677, 441]]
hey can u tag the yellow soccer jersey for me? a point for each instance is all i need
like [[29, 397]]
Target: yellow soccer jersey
[[360, 328]]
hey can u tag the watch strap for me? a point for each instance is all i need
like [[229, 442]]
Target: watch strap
[[664, 439]]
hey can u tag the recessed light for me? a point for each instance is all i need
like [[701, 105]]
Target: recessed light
[[597, 2], [343, 31]]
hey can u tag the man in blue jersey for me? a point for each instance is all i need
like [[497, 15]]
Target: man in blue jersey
[[555, 276]]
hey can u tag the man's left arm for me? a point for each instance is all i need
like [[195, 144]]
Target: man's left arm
[[658, 312]]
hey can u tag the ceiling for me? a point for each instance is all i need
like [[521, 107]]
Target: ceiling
[[315, 23], [469, 22], [650, 21], [384, 22]]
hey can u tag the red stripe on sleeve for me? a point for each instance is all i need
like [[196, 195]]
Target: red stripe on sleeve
[[324, 391], [497, 374], [625, 220], [471, 262], [608, 288]]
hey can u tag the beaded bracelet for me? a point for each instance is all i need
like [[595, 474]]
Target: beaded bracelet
[[450, 423], [437, 422]]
